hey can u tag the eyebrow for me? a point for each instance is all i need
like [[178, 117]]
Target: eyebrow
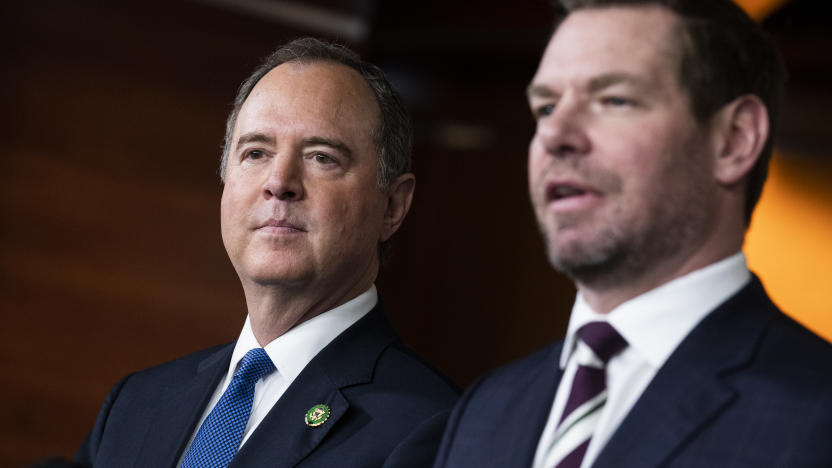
[[255, 137], [537, 90], [258, 137], [604, 81], [334, 144], [595, 84]]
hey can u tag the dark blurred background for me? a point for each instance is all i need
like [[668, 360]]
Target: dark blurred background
[[112, 119]]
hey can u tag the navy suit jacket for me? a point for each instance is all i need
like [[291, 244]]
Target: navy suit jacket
[[388, 408], [748, 387]]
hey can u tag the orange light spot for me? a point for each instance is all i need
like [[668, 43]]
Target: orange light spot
[[788, 244], [759, 9]]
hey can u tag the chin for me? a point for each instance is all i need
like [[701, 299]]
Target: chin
[[274, 278], [576, 256], [271, 270]]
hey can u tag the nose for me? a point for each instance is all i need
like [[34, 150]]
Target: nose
[[285, 179], [562, 133]]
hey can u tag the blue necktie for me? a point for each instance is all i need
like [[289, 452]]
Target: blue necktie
[[220, 435]]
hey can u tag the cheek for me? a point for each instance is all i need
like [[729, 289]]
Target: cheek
[[535, 167], [343, 218], [654, 176], [534, 160], [232, 212], [227, 211], [338, 218], [237, 195], [354, 218], [226, 223]]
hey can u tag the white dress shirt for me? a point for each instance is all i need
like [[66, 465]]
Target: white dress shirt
[[290, 353], [653, 324]]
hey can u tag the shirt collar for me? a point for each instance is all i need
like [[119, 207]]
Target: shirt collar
[[656, 322], [293, 350]]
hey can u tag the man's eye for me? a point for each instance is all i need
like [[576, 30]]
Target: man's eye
[[254, 154], [322, 158], [616, 101], [543, 111]]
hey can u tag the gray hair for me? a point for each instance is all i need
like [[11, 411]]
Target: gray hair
[[393, 136]]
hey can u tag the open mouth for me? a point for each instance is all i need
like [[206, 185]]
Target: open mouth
[[560, 192], [570, 196], [563, 191]]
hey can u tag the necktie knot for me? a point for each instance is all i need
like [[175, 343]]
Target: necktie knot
[[602, 338], [582, 410], [221, 433], [254, 365]]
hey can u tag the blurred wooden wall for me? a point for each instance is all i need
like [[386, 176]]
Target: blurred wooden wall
[[110, 251]]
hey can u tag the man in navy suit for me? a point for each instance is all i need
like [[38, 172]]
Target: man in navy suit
[[316, 172], [654, 124]]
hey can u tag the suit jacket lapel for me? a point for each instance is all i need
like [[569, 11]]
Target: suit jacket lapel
[[503, 428], [183, 402], [688, 391], [531, 408], [283, 439]]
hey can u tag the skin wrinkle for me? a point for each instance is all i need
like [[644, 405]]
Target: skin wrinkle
[[290, 275]]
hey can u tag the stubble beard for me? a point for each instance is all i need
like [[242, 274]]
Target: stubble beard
[[623, 249], [588, 261]]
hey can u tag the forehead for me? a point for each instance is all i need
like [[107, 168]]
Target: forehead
[[633, 40], [325, 97]]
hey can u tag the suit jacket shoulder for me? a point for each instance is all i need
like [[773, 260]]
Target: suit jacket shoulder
[[387, 406], [747, 387], [499, 419], [156, 407]]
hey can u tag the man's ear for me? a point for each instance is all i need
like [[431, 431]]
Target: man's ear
[[399, 197], [743, 127]]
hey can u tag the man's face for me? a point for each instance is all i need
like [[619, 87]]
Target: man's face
[[301, 206], [618, 168]]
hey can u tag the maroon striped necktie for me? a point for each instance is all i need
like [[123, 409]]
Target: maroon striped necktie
[[588, 394]]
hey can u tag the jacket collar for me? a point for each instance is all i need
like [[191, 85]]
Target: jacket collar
[[348, 360], [689, 389]]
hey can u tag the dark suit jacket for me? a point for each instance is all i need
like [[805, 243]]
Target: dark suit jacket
[[388, 408], [748, 387]]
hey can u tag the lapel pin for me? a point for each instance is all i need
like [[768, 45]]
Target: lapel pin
[[317, 415]]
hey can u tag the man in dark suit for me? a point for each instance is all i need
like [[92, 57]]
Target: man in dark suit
[[316, 167], [654, 124]]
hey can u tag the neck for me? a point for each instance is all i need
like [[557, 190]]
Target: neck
[[605, 293], [604, 299], [275, 309]]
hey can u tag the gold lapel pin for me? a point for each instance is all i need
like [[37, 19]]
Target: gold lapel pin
[[317, 415]]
